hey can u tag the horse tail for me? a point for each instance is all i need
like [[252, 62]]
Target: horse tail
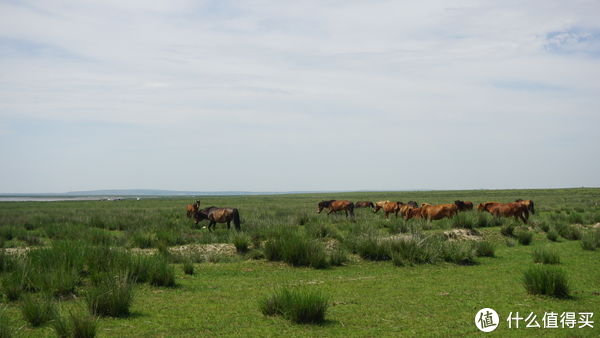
[[351, 207], [236, 219], [532, 208]]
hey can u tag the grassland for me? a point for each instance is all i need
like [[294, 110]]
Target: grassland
[[367, 297]]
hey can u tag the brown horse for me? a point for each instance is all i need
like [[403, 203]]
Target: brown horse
[[435, 212], [390, 207], [364, 204], [192, 208], [335, 206], [529, 204], [463, 205], [410, 212], [486, 206], [514, 209], [218, 215]]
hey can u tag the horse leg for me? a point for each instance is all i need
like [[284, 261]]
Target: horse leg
[[228, 225]]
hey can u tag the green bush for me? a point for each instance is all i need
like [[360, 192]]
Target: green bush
[[111, 296], [241, 241], [546, 280], [188, 268], [296, 250], [299, 306], [338, 256], [507, 230], [5, 329], [83, 325], [371, 247], [464, 220], [552, 235], [14, 284], [524, 237], [62, 326], [510, 242], [414, 250], [458, 252], [545, 256], [161, 273], [37, 311], [591, 240], [484, 248], [570, 232]]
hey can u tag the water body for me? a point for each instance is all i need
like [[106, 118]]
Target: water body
[[59, 199]]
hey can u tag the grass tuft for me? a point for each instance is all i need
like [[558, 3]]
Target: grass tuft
[[301, 306], [111, 296], [37, 311], [545, 256], [546, 280]]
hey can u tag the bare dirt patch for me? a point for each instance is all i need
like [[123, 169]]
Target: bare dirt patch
[[462, 235]]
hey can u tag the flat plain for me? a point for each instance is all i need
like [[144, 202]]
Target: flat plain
[[371, 288]]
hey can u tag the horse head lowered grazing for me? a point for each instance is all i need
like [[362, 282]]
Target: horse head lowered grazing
[[218, 215], [335, 206]]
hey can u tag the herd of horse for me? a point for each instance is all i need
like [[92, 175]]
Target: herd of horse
[[519, 209]]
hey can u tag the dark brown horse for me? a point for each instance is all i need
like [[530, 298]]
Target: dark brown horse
[[192, 208], [463, 205], [335, 206], [412, 204], [218, 215], [364, 204], [529, 204]]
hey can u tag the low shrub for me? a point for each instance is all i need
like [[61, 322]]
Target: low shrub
[[255, 254], [6, 330], [111, 296], [507, 230], [510, 242], [414, 250], [371, 247], [463, 220], [161, 273], [484, 248], [524, 237], [570, 232], [552, 235], [188, 268], [241, 241], [37, 311], [591, 240], [458, 252], [296, 250], [546, 280], [83, 325], [299, 306], [338, 256], [545, 256]]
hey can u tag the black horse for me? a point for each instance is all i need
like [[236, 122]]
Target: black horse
[[218, 215]]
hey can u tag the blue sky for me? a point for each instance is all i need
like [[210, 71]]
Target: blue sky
[[312, 95]]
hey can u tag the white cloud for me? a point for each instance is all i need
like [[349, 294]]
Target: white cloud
[[309, 80]]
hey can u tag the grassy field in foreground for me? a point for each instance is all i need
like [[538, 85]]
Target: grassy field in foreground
[[366, 297]]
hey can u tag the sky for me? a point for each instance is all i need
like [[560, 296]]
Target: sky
[[298, 95]]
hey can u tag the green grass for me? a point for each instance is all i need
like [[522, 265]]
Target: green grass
[[38, 310], [302, 306], [365, 297], [111, 296], [546, 280], [546, 255]]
